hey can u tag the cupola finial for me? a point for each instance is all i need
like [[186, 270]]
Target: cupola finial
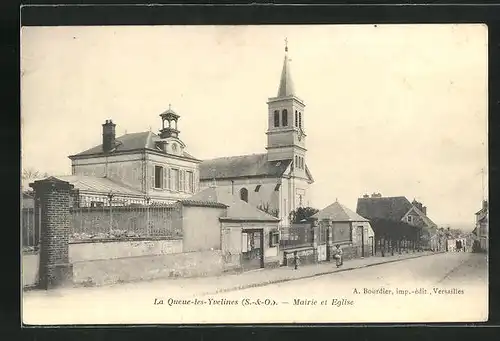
[[286, 44]]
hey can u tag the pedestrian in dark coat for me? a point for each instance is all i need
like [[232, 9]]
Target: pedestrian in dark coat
[[338, 256]]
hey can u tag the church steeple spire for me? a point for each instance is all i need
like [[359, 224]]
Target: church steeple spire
[[286, 87]]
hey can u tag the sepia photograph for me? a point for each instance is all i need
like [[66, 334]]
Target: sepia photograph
[[254, 174]]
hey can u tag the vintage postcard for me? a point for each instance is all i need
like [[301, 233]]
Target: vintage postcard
[[254, 174]]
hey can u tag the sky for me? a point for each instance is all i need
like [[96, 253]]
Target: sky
[[399, 110]]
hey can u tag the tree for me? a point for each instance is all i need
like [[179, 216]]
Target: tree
[[302, 214], [31, 174], [265, 208]]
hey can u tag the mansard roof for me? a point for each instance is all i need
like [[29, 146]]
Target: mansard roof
[[129, 142]]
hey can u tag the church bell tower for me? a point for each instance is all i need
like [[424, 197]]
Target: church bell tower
[[286, 132]]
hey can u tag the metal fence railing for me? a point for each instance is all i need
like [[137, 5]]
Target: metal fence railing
[[299, 235], [100, 217]]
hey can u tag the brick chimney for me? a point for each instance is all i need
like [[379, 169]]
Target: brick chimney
[[108, 136], [424, 210], [376, 195], [366, 196]]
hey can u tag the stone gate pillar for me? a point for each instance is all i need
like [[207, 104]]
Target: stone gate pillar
[[53, 196], [315, 226], [329, 245]]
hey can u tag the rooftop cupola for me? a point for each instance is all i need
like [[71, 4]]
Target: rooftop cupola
[[169, 123]]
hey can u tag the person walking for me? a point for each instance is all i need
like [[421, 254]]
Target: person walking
[[338, 256]]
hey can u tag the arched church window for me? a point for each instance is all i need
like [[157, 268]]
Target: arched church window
[[296, 118], [276, 118], [300, 119], [244, 194], [284, 117]]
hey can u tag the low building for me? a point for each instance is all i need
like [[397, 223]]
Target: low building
[[351, 231], [397, 222], [249, 236]]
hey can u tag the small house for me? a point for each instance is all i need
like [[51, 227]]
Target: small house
[[348, 229]]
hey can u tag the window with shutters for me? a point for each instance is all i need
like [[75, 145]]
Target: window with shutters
[[167, 178], [158, 177], [296, 118], [190, 177], [175, 179], [181, 181], [300, 120]]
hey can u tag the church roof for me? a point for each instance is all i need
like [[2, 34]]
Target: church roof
[[338, 212], [253, 165], [130, 142], [237, 208], [286, 87]]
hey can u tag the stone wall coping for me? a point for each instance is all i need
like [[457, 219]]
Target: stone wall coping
[[123, 239], [124, 208]]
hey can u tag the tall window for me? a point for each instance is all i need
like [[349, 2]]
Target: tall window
[[158, 177], [284, 117], [175, 179], [276, 118], [244, 194], [190, 179], [297, 161], [168, 179], [296, 118], [182, 181], [300, 120]]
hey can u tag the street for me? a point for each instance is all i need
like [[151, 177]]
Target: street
[[449, 287]]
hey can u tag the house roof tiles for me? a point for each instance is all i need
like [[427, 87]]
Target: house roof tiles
[[338, 212], [390, 208]]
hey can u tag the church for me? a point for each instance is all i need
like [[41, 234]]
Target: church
[[159, 168], [277, 181]]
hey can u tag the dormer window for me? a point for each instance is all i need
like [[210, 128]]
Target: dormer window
[[409, 219]]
